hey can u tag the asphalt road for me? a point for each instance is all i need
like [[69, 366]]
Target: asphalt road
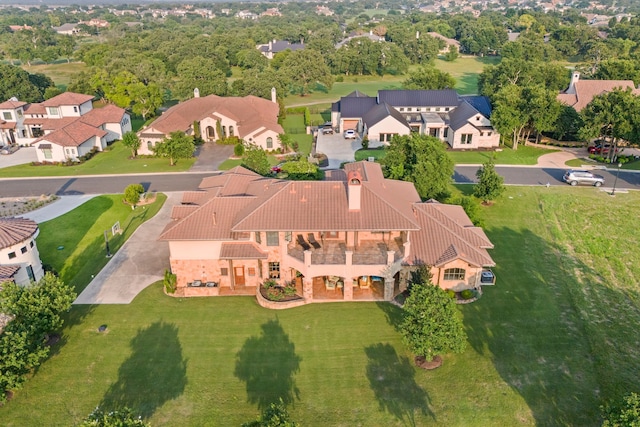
[[113, 184]]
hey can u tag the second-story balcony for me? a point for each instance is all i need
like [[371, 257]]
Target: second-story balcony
[[367, 252]]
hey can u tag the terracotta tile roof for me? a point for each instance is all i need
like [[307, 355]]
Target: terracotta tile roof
[[67, 98], [100, 116], [250, 112], [182, 211], [72, 135], [7, 125], [11, 105], [446, 234], [50, 124], [15, 230], [246, 250], [586, 90], [35, 109], [196, 197], [7, 272]]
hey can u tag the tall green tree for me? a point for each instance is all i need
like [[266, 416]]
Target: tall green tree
[[201, 73], [304, 69], [14, 81], [613, 116], [429, 78], [420, 159], [490, 185], [132, 142], [431, 323], [625, 413], [177, 146]]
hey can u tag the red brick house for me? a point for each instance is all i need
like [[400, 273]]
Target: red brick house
[[354, 236]]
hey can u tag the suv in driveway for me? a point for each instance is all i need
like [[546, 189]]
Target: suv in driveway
[[575, 177], [327, 129]]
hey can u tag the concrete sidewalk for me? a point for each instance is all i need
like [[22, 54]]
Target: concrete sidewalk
[[139, 262], [60, 207]]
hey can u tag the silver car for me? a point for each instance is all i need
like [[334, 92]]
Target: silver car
[[575, 177]]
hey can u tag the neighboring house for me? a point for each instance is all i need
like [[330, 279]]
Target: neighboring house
[[463, 122], [277, 46], [354, 236], [245, 14], [324, 10], [67, 29], [252, 119], [19, 257], [356, 35], [580, 92], [62, 128], [447, 40]]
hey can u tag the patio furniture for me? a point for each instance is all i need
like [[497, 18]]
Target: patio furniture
[[331, 282], [301, 242], [364, 282], [311, 238]]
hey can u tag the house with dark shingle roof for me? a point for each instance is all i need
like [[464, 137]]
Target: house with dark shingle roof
[[276, 46], [581, 92], [62, 128], [19, 257], [252, 119], [463, 122], [354, 236]]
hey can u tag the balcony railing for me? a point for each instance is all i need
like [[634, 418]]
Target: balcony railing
[[369, 252]]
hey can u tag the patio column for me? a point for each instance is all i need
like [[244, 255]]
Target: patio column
[[391, 255], [307, 289], [388, 288], [307, 258]]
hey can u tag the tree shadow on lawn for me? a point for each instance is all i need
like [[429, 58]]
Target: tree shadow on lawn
[[391, 378], [555, 344], [267, 365], [154, 373]]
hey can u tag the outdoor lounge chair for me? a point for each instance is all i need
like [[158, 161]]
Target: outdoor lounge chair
[[301, 242], [311, 238]]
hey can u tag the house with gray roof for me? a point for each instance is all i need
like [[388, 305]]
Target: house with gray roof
[[355, 236], [276, 46], [463, 122]]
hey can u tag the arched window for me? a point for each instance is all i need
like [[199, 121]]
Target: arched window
[[224, 131], [454, 274], [230, 130], [150, 145], [269, 142]]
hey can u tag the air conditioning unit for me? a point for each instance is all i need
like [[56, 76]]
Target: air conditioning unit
[[371, 159]]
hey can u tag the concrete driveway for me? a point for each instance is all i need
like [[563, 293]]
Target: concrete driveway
[[210, 155], [20, 157], [140, 262], [337, 149]]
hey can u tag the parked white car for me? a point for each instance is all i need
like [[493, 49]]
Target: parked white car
[[350, 134]]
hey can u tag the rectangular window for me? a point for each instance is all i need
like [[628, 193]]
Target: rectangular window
[[409, 109], [489, 134], [287, 236], [437, 108], [481, 133], [446, 109], [6, 115], [23, 249], [402, 109], [258, 237], [251, 271], [454, 274], [465, 139], [12, 255], [446, 132], [75, 109], [47, 153], [272, 238], [224, 271], [274, 270], [53, 111]]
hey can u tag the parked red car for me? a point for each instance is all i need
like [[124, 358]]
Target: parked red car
[[600, 149]]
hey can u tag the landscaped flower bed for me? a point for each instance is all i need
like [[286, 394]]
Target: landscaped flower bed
[[273, 291]]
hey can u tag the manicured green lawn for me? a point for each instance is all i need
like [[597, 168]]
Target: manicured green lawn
[[376, 153], [524, 155], [61, 73], [556, 335], [114, 161], [466, 70], [80, 235]]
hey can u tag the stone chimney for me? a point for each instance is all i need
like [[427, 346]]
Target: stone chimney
[[273, 95], [417, 35], [196, 93], [575, 76], [354, 190], [271, 45]]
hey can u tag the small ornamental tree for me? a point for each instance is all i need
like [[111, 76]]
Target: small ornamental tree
[[623, 414], [132, 142], [490, 185], [132, 194], [432, 324], [255, 159], [275, 415], [177, 146]]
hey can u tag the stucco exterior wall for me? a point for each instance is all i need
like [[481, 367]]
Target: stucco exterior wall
[[387, 125], [30, 257], [471, 277]]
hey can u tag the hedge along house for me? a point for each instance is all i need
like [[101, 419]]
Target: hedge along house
[[463, 122], [62, 128], [354, 236], [251, 119], [19, 257]]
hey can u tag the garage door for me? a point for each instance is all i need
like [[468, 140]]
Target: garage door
[[350, 124]]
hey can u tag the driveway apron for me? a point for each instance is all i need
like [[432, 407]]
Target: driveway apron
[[140, 262]]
